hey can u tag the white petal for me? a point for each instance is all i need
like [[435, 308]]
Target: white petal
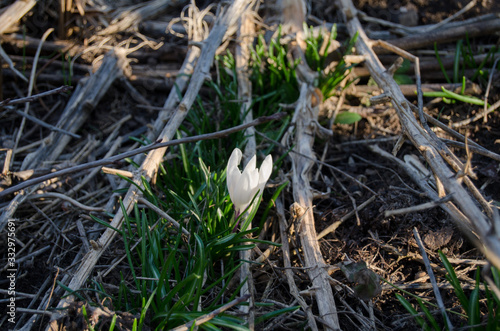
[[234, 159], [243, 186], [265, 171], [251, 165], [233, 174], [232, 179], [243, 190]]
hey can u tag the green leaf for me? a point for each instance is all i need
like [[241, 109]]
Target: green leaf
[[473, 311], [455, 283], [463, 98], [419, 319], [402, 79], [276, 313], [347, 118], [428, 314]]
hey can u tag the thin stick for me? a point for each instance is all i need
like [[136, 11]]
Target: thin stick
[[66, 198], [317, 161], [53, 288], [164, 215], [353, 200], [30, 89], [207, 317], [423, 206], [492, 108], [450, 18], [59, 90], [33, 311], [46, 125], [156, 145], [11, 64], [336, 224], [485, 112], [432, 278], [480, 150], [447, 35], [113, 171]]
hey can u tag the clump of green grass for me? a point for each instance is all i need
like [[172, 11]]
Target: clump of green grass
[[173, 278], [177, 278], [273, 75], [465, 54], [328, 82], [479, 311]]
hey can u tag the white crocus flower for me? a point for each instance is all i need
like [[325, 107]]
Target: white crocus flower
[[243, 186]]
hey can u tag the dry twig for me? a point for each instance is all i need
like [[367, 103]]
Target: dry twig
[[428, 267], [154, 146]]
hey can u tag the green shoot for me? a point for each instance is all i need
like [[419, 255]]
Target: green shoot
[[476, 314]]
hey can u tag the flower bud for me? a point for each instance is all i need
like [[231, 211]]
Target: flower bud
[[244, 185]]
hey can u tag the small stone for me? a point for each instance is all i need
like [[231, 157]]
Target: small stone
[[437, 239], [408, 15]]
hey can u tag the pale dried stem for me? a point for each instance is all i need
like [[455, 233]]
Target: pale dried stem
[[413, 209], [65, 198], [246, 31], [131, 17], [445, 35], [207, 317], [62, 89], [285, 249], [336, 224], [14, 13], [152, 147], [302, 209]]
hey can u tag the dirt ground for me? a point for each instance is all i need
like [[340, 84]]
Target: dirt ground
[[428, 11], [385, 244]]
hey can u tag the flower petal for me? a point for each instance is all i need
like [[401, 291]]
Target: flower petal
[[251, 165], [265, 171], [234, 159], [242, 199], [232, 179], [243, 186], [233, 174]]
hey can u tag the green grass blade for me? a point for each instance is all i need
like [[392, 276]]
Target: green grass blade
[[428, 314], [276, 313], [443, 70], [463, 98], [70, 291], [419, 319], [113, 323], [455, 283], [473, 311], [103, 223], [145, 308], [456, 61]]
